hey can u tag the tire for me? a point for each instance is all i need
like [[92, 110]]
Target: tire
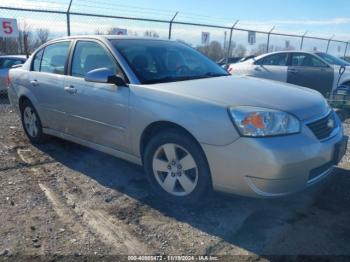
[[173, 179], [32, 124]]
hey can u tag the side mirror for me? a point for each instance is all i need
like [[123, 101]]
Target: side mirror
[[104, 75], [342, 69]]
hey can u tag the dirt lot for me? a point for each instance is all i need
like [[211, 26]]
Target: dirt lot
[[63, 199]]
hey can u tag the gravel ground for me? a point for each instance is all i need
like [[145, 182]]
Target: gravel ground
[[62, 199]]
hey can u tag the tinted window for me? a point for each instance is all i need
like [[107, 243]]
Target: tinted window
[[306, 60], [333, 60], [275, 60], [54, 58], [37, 60], [9, 62], [89, 56], [156, 61]]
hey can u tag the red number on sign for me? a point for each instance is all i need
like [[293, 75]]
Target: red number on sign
[[7, 27]]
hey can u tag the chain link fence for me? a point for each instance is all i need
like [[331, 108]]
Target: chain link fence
[[40, 24]]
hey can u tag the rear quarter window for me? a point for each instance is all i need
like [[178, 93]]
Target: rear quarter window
[[37, 60]]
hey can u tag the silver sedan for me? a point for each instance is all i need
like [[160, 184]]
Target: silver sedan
[[318, 70], [163, 105]]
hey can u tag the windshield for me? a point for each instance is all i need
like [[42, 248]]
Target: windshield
[[333, 60], [157, 61]]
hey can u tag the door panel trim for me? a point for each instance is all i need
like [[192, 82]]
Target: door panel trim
[[120, 128]]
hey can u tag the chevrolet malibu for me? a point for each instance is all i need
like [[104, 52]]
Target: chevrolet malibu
[[163, 105]]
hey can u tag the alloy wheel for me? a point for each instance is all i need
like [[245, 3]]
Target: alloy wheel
[[30, 122], [175, 169]]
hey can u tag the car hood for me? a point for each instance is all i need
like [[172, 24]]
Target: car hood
[[228, 91]]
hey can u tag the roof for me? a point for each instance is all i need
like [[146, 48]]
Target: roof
[[109, 37], [287, 51], [14, 56]]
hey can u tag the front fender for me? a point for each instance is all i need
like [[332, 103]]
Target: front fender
[[207, 121]]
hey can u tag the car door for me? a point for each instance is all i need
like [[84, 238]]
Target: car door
[[97, 112], [46, 83], [309, 71], [272, 67]]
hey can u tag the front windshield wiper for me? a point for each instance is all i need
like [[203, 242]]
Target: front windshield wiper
[[168, 79]]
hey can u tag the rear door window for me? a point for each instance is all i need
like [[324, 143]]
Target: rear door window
[[54, 58], [306, 60], [279, 59]]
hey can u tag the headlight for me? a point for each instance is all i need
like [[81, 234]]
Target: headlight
[[258, 122]]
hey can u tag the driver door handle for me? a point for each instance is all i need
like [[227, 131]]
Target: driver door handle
[[257, 69], [70, 89], [34, 82]]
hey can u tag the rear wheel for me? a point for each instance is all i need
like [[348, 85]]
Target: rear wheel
[[177, 168], [31, 123]]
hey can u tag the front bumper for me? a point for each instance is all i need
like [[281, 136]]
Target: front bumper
[[274, 166]]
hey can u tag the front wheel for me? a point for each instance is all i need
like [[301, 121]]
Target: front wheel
[[177, 168]]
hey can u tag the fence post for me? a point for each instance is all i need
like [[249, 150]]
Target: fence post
[[68, 17], [302, 40], [329, 41], [268, 39], [346, 49], [171, 25], [230, 40], [25, 44]]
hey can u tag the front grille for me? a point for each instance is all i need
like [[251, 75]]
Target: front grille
[[321, 127]]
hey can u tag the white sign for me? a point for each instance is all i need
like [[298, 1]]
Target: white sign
[[119, 31], [205, 38], [251, 37], [8, 27]]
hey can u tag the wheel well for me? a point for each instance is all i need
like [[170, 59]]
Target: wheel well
[[158, 127], [21, 101]]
